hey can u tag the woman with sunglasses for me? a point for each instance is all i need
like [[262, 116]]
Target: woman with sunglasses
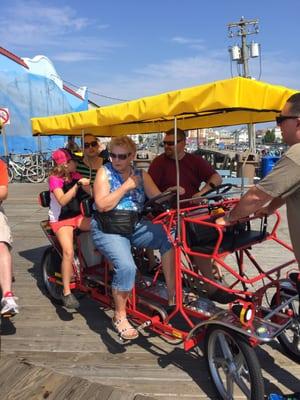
[[119, 193], [92, 160]]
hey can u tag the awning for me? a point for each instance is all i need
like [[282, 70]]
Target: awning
[[222, 103]]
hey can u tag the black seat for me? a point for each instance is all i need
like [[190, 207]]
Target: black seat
[[203, 239]]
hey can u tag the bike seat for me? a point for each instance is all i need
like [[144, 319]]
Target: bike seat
[[203, 239]]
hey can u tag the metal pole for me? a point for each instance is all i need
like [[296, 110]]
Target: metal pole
[[4, 140], [177, 180]]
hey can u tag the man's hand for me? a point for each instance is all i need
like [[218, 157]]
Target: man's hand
[[174, 189], [263, 212]]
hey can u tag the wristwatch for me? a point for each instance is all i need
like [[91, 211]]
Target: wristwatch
[[79, 183]]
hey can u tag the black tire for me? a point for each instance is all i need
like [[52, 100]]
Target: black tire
[[232, 364], [290, 337], [11, 176], [51, 264], [35, 174]]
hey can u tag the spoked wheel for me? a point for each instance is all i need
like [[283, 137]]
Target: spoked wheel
[[35, 174], [290, 337], [10, 174], [51, 263], [233, 365]]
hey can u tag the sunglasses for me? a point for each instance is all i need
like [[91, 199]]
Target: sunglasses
[[171, 143], [282, 118], [119, 156], [92, 144]]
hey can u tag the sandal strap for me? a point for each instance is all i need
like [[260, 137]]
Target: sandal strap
[[117, 322]]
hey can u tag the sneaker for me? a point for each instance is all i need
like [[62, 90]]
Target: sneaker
[[70, 301], [9, 307]]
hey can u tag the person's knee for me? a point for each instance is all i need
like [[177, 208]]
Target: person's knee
[[4, 248], [68, 254]]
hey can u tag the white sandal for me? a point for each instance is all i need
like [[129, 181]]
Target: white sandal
[[122, 332]]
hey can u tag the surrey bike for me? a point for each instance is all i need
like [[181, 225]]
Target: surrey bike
[[264, 304]]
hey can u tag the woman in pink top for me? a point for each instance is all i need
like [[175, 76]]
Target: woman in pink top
[[66, 185]]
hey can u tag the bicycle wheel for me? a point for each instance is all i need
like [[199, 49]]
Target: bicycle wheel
[[290, 337], [233, 365], [35, 174], [50, 265], [11, 175]]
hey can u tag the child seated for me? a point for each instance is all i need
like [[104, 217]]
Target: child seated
[[65, 185]]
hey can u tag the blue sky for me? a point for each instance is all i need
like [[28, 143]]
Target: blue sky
[[133, 48]]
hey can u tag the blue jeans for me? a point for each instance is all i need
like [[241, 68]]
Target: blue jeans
[[117, 249]]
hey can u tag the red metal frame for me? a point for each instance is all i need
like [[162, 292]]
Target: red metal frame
[[190, 317]]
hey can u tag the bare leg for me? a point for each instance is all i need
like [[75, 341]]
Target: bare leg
[[5, 268], [65, 238], [168, 262], [120, 320], [205, 267]]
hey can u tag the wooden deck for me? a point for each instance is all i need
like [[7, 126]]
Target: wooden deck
[[47, 352]]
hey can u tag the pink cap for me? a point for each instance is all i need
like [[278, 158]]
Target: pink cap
[[61, 156]]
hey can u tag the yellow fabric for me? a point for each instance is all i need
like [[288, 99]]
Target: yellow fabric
[[222, 103]]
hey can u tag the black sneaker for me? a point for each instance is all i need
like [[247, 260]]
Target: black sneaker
[[70, 301], [222, 297]]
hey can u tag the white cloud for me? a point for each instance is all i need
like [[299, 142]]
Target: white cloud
[[47, 29], [191, 43], [74, 56]]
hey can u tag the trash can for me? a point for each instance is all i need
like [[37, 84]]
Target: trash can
[[267, 164], [246, 165]]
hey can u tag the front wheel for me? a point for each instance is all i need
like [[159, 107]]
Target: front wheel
[[36, 174], [233, 365], [290, 337], [51, 274]]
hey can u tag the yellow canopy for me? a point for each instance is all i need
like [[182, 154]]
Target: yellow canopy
[[222, 103]]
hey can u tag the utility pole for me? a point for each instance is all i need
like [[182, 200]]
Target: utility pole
[[241, 53]]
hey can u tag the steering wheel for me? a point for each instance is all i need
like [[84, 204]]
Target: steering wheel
[[218, 191], [160, 203]]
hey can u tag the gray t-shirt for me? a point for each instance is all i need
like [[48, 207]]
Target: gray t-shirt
[[284, 182]]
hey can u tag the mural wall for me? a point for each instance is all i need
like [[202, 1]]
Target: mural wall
[[31, 88]]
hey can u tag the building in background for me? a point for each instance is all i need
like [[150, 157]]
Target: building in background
[[31, 88]]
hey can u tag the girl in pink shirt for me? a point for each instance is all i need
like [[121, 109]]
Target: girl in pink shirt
[[65, 185]]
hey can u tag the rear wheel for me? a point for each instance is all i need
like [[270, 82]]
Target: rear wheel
[[233, 365], [10, 174], [51, 274], [290, 337], [35, 174]]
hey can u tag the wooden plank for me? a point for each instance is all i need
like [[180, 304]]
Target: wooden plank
[[83, 345]]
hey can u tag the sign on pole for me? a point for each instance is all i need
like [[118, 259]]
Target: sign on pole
[[4, 116], [5, 120]]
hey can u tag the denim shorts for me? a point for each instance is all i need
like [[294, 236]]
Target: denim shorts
[[117, 249]]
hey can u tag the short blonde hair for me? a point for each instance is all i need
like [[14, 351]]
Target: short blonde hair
[[123, 141]]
